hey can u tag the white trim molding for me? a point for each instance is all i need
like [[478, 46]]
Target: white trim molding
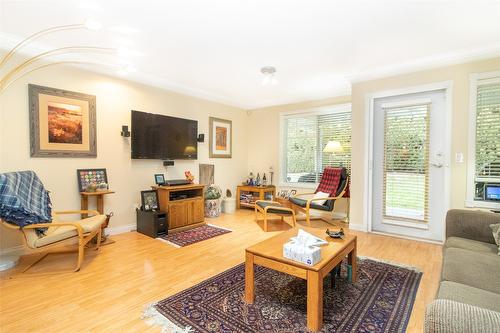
[[121, 229], [447, 86], [474, 80]]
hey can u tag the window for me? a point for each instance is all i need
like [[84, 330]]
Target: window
[[306, 134], [406, 160], [484, 141]]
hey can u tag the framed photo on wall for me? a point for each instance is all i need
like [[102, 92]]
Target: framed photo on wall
[[221, 138], [62, 123]]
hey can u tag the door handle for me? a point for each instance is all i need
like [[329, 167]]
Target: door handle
[[437, 165]]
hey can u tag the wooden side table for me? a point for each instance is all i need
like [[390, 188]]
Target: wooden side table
[[260, 190], [84, 203], [84, 200]]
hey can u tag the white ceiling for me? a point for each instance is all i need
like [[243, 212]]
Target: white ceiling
[[215, 49]]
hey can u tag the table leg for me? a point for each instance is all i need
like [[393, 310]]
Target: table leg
[[353, 261], [314, 301], [84, 204], [100, 204], [249, 279], [238, 198]]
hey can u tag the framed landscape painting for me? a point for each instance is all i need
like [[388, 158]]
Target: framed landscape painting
[[62, 123], [221, 136]]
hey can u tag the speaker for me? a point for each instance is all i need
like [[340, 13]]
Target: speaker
[[201, 138], [168, 163], [125, 132]]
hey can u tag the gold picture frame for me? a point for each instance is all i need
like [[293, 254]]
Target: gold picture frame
[[62, 123], [221, 138]]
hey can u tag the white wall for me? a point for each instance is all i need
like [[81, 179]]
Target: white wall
[[115, 99]]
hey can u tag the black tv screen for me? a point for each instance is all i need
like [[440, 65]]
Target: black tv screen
[[156, 136]]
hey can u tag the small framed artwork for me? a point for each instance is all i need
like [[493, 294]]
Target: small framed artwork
[[62, 123], [97, 177], [159, 179], [149, 200], [221, 137]]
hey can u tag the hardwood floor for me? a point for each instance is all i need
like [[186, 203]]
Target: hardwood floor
[[114, 285]]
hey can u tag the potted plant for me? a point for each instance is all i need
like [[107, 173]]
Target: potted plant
[[212, 201]]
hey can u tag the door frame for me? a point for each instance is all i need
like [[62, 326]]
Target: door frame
[[447, 86]]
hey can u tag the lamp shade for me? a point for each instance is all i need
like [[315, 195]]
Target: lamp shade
[[333, 147]]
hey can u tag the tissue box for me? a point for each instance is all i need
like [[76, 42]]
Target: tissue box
[[309, 255]]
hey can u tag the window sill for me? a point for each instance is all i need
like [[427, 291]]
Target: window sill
[[482, 204], [417, 225]]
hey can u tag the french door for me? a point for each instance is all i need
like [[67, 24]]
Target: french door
[[409, 165]]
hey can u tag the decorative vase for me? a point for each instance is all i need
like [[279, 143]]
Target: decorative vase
[[212, 207]]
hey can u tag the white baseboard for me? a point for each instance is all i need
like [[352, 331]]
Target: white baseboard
[[357, 227], [20, 250], [407, 237], [121, 229]]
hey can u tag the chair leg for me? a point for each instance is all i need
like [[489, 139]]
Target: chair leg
[[81, 248], [35, 262], [99, 237], [294, 219], [265, 221], [308, 218]]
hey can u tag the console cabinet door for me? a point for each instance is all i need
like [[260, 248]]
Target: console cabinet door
[[177, 215], [195, 211], [198, 211]]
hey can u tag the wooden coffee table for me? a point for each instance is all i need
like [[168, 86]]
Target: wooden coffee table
[[269, 253]]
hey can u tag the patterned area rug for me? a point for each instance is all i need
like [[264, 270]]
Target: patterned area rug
[[195, 235], [381, 301]]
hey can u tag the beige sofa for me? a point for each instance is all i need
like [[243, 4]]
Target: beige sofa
[[468, 299]]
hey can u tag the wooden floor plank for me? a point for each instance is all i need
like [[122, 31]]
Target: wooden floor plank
[[113, 286]]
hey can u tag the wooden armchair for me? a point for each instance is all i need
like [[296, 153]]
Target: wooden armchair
[[304, 203], [58, 231]]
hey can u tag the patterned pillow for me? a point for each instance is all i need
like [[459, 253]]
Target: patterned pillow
[[496, 234]]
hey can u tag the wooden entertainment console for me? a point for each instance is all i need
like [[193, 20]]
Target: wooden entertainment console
[[184, 204]]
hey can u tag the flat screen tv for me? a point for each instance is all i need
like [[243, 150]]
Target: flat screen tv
[[157, 136]]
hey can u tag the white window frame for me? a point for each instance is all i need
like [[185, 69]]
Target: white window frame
[[488, 77], [337, 108]]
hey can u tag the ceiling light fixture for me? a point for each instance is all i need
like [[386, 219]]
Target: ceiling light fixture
[[127, 69], [92, 24], [33, 62], [88, 24], [269, 76]]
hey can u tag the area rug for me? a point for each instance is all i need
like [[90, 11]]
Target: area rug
[[195, 235], [380, 301]]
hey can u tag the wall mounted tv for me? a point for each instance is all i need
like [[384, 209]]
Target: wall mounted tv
[[156, 136]]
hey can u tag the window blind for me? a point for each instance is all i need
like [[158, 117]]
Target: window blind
[[488, 133], [406, 161], [305, 137]]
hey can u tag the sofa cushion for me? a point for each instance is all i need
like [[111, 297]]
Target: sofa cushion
[[479, 270], [445, 316], [469, 244], [496, 234], [302, 203], [466, 294]]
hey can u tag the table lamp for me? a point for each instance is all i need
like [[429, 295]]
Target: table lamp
[[333, 147]]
